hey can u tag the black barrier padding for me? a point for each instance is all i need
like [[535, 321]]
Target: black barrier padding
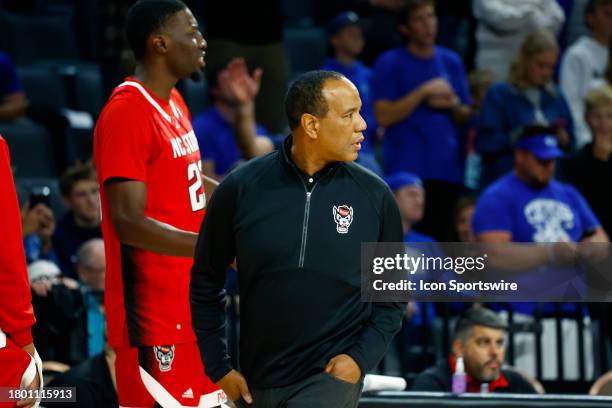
[[439, 399]]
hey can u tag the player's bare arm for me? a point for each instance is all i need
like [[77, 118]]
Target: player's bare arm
[[210, 184], [127, 199]]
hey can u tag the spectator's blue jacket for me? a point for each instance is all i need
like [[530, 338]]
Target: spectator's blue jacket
[[504, 110]]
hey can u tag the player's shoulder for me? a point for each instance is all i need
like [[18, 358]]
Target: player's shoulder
[[4, 149], [124, 104], [176, 96]]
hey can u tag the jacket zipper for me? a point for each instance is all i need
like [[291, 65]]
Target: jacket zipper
[[305, 229], [305, 222]]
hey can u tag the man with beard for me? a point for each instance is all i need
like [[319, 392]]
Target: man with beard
[[153, 196], [528, 205], [480, 340]]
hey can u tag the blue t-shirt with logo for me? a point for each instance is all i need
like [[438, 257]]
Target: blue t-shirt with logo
[[557, 212], [216, 140], [427, 142]]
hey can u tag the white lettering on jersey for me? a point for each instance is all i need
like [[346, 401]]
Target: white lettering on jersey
[[184, 145], [185, 140], [196, 192], [177, 148], [551, 220]]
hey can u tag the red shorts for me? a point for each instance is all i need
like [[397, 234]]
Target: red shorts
[[17, 368], [172, 376]]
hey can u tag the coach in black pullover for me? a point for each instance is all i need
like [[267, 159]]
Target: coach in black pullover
[[295, 220]]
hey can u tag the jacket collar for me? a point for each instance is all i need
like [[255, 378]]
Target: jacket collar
[[287, 160]]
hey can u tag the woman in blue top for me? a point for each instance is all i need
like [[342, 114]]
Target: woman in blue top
[[528, 97]]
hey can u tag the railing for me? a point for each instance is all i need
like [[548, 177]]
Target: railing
[[441, 399], [428, 353]]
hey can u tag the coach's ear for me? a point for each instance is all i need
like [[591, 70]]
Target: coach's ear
[[310, 124]]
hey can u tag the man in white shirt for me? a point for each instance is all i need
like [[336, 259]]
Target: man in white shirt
[[585, 61]]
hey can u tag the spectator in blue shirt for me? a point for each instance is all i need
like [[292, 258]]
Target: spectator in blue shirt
[[345, 36], [410, 197], [227, 133], [416, 329], [528, 97], [421, 97], [13, 102], [528, 205]]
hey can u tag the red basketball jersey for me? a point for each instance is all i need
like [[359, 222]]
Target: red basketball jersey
[[16, 314], [142, 137]]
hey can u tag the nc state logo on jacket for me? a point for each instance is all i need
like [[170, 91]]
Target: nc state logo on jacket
[[343, 216]]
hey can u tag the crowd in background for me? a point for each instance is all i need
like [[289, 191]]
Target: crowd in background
[[490, 120]]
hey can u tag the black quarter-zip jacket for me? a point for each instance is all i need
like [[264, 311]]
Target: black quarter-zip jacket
[[299, 275]]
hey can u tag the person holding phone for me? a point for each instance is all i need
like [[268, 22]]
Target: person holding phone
[[38, 226]]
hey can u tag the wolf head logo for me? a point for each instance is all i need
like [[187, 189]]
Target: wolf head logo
[[343, 216]]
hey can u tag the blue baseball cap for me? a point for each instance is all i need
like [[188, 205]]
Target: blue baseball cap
[[544, 147], [342, 20], [403, 179]]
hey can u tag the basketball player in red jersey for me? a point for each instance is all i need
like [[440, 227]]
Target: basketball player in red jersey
[[153, 199], [19, 362]]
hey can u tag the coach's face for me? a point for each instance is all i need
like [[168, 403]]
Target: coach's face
[[185, 44], [341, 130]]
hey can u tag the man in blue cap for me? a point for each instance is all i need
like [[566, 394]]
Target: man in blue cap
[[410, 197], [529, 205], [346, 41]]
